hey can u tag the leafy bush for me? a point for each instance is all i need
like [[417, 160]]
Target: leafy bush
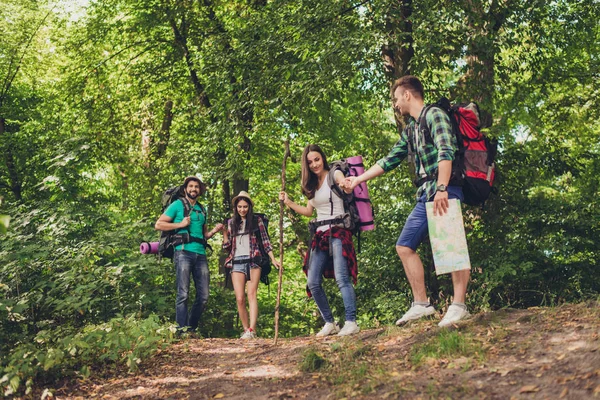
[[122, 341]]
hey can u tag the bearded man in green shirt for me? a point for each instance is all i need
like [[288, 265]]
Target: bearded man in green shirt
[[190, 258]]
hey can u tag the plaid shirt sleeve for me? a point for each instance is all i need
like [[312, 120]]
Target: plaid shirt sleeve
[[263, 235], [397, 154], [441, 133]]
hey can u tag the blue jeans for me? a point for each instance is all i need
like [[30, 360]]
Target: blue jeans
[[189, 263], [318, 260]]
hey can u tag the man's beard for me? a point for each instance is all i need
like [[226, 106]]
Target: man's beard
[[191, 196]]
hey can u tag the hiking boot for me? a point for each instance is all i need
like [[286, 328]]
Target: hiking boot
[[415, 312], [350, 328], [453, 315], [330, 328], [248, 334]]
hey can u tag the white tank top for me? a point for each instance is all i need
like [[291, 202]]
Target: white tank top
[[242, 245], [321, 203]]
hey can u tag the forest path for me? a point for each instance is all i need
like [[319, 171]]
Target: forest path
[[537, 353]]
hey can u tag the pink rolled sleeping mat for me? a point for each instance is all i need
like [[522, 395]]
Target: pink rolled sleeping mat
[[361, 195], [149, 248]]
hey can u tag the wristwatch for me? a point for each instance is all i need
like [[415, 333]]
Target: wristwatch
[[441, 188]]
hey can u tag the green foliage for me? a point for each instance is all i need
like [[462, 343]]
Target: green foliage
[[120, 342], [4, 222]]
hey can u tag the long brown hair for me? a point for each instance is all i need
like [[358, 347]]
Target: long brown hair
[[310, 181], [237, 218]]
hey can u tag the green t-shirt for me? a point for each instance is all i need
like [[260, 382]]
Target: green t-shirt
[[176, 212]]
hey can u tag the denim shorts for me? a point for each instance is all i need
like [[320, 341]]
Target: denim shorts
[[415, 228], [243, 264]]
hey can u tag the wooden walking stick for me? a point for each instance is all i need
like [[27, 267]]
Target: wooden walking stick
[[281, 206]]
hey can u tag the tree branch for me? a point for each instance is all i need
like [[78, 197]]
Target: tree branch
[[10, 79]]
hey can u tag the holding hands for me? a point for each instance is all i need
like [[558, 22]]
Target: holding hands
[[218, 228], [350, 183]]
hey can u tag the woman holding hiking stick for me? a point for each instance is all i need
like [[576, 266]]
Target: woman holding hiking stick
[[240, 240], [331, 251]]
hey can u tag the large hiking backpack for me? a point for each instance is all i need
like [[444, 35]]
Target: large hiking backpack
[[264, 260], [357, 203], [474, 166], [170, 239]]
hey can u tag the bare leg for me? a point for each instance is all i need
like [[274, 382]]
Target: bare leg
[[252, 301], [413, 267], [460, 280], [239, 286]]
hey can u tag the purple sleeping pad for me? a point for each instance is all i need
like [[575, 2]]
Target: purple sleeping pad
[[361, 195]]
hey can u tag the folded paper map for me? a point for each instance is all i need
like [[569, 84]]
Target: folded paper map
[[448, 240]]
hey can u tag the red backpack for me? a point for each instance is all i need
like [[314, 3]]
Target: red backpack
[[474, 166]]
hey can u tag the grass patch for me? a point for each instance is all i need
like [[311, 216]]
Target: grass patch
[[447, 344], [312, 361], [350, 366], [390, 331]]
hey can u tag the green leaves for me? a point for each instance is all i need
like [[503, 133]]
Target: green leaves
[[121, 341], [4, 222]]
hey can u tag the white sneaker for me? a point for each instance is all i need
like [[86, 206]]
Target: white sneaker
[[415, 312], [329, 329], [350, 328], [248, 334], [453, 315]]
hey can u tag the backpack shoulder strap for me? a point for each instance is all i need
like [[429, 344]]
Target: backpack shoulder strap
[[335, 166], [255, 227], [423, 125], [202, 210], [443, 104], [187, 208]]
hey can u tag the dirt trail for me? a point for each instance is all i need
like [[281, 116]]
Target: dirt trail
[[538, 353]]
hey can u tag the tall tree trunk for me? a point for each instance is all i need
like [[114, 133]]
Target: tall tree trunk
[[181, 41], [239, 182], [165, 130], [14, 183], [478, 81], [246, 120], [399, 50], [200, 91]]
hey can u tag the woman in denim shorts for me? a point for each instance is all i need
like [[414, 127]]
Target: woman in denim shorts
[[240, 240]]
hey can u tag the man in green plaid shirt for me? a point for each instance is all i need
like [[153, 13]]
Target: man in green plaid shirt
[[434, 154]]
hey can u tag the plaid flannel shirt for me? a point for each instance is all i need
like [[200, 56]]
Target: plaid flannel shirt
[[443, 148], [229, 246]]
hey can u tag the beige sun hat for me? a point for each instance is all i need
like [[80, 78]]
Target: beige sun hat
[[242, 194]]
